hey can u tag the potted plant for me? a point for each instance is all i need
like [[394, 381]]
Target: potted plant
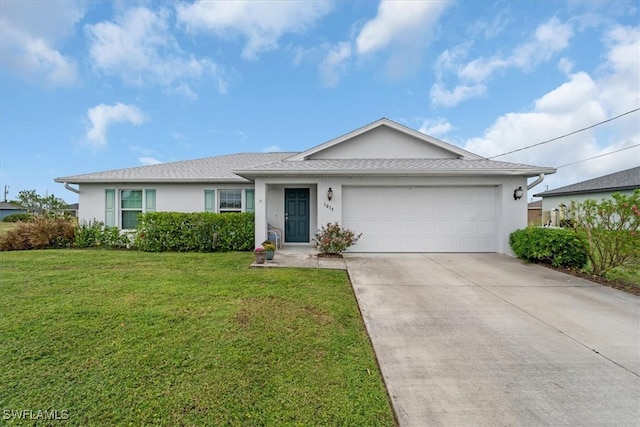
[[269, 248], [260, 255]]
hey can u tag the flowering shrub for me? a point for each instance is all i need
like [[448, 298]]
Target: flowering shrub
[[332, 239], [608, 230], [259, 249]]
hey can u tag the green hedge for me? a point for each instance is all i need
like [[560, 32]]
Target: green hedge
[[556, 246], [18, 217], [195, 232]]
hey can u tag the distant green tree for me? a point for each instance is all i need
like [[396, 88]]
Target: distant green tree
[[36, 204]]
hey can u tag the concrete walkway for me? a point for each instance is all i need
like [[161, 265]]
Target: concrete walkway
[[303, 256], [485, 340]]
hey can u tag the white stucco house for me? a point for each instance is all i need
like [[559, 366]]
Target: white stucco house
[[404, 190]]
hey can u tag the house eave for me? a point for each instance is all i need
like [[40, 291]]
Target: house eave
[[234, 180], [590, 191], [528, 173]]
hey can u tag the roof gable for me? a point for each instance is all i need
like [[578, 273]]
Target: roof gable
[[384, 139]]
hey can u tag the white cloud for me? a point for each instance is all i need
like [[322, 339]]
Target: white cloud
[[272, 149], [139, 48], [436, 127], [333, 65], [548, 39], [262, 23], [565, 65], [103, 116], [149, 161], [398, 21], [32, 34], [580, 102], [448, 98]]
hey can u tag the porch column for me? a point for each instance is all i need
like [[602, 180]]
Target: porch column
[[261, 211]]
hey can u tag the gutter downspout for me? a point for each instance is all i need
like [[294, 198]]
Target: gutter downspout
[[529, 187], [73, 190]]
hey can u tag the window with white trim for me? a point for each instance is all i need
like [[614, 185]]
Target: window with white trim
[[130, 208], [124, 211], [230, 200]]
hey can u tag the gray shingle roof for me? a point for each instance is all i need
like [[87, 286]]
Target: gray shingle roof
[[394, 166], [209, 169], [624, 180]]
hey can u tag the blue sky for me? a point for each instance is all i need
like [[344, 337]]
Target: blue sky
[[89, 86]]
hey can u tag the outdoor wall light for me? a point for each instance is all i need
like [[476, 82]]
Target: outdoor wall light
[[330, 194], [518, 193]]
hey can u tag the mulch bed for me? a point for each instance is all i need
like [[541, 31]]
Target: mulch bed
[[616, 284], [329, 255]]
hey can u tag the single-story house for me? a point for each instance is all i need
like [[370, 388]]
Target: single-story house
[[404, 190], [555, 202], [7, 209]]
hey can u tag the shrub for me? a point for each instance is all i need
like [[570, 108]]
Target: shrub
[[332, 239], [608, 230], [88, 234], [42, 232], [201, 232], [556, 246], [18, 217], [96, 234]]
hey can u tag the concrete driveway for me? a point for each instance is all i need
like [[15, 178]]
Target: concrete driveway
[[485, 340]]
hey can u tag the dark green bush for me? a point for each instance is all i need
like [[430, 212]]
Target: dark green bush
[[556, 246], [18, 217], [42, 232], [195, 232]]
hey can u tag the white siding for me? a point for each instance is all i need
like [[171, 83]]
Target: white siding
[[169, 197], [383, 143]]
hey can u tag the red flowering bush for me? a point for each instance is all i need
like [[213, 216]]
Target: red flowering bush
[[333, 239]]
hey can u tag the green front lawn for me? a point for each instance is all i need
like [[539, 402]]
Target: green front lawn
[[183, 339]]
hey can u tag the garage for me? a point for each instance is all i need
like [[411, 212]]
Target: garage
[[422, 219]]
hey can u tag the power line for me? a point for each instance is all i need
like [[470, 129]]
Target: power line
[[595, 157], [566, 135]]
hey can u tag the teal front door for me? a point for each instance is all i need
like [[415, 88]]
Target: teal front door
[[296, 215]]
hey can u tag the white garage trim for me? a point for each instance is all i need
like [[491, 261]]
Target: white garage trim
[[422, 219]]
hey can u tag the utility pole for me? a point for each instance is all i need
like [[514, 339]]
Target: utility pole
[[6, 191]]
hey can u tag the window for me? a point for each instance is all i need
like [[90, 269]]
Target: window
[[230, 200], [127, 208], [209, 200], [250, 196], [130, 208]]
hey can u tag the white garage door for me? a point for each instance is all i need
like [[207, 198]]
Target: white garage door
[[421, 219]]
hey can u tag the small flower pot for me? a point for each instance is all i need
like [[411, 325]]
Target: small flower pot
[[260, 257], [270, 255]]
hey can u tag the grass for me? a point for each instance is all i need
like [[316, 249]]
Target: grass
[[183, 339]]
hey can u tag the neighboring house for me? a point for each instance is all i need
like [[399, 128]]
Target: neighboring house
[[71, 209], [555, 202], [405, 191], [7, 209], [534, 213]]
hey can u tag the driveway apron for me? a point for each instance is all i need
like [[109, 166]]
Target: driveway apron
[[486, 340]]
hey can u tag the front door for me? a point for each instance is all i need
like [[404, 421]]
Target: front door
[[296, 215]]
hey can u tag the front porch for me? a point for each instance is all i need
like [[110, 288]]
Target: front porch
[[302, 256]]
